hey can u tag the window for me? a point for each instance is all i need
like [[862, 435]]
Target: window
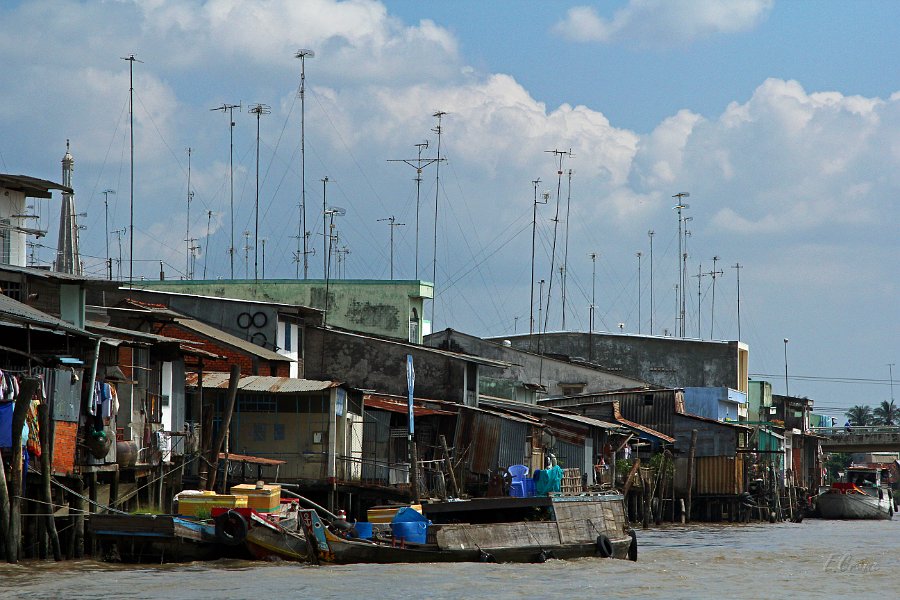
[[278, 432], [5, 237], [414, 327], [259, 432], [287, 337]]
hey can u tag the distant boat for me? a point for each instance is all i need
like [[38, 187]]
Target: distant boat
[[862, 496]]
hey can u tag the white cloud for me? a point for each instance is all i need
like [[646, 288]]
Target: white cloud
[[663, 22]]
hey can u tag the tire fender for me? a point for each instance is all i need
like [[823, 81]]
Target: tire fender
[[604, 546], [231, 528]]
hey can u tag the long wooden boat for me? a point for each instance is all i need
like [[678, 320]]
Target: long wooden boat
[[503, 530], [862, 496], [155, 538]]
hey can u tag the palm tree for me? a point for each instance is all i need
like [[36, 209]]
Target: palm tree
[[859, 416], [887, 413]]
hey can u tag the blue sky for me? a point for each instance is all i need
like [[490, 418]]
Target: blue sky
[[782, 119]]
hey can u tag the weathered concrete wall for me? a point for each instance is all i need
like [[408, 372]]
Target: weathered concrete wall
[[663, 361], [376, 307], [528, 367], [380, 365]]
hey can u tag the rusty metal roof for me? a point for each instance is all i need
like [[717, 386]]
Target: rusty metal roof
[[394, 405], [261, 383]]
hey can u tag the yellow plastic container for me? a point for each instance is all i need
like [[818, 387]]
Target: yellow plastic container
[[384, 514], [201, 505], [265, 499]]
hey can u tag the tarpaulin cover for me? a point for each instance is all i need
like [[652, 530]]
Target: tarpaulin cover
[[548, 480]]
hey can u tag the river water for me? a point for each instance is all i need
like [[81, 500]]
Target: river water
[[821, 559]]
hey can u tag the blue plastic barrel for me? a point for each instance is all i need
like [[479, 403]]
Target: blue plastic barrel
[[363, 530], [415, 531]]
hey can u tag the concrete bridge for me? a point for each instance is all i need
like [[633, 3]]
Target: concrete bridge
[[860, 439]]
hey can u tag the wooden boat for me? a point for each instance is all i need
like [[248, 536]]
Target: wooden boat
[[155, 538], [507, 529], [266, 536], [862, 496]]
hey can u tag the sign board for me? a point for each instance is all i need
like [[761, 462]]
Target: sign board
[[410, 384]]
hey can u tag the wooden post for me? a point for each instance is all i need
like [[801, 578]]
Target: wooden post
[[4, 510], [44, 419], [233, 381], [92, 508], [77, 500], [646, 495], [114, 488], [690, 474], [448, 462], [413, 472], [27, 387], [683, 512]]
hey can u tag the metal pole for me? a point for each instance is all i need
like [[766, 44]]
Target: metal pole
[[738, 267], [324, 230], [533, 238], [302, 54], [106, 194], [131, 60], [639, 254], [787, 391], [437, 194], [650, 234]]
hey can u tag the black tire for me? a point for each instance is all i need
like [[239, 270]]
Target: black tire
[[633, 546], [259, 338], [245, 320], [231, 528], [604, 546]]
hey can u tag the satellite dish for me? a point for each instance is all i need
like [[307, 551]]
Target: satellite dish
[[336, 210]]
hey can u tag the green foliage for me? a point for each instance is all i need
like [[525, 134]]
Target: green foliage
[[887, 413], [860, 416], [623, 466], [836, 463], [656, 463]]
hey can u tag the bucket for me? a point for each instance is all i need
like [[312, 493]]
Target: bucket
[[414, 532], [363, 530]]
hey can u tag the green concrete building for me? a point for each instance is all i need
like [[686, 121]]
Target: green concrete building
[[389, 308]]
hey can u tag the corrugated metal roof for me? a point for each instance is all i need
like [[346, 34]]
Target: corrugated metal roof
[[17, 312], [585, 420], [393, 405], [32, 187], [261, 383], [231, 340]]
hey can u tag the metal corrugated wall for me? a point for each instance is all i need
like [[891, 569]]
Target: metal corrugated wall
[[513, 443], [569, 456]]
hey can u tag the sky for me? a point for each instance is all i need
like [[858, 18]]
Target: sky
[[781, 119]]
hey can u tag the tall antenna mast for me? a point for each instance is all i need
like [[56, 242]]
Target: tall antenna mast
[[391, 224], [639, 255], [419, 164], [229, 108], [565, 269], [650, 234], [187, 232], [700, 275], [714, 274], [106, 194], [302, 54], [593, 256], [209, 215], [437, 195], [246, 254], [325, 244], [131, 60], [737, 267], [258, 110], [558, 154], [119, 233], [679, 318], [535, 183]]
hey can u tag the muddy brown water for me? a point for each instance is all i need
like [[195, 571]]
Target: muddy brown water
[[813, 559]]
